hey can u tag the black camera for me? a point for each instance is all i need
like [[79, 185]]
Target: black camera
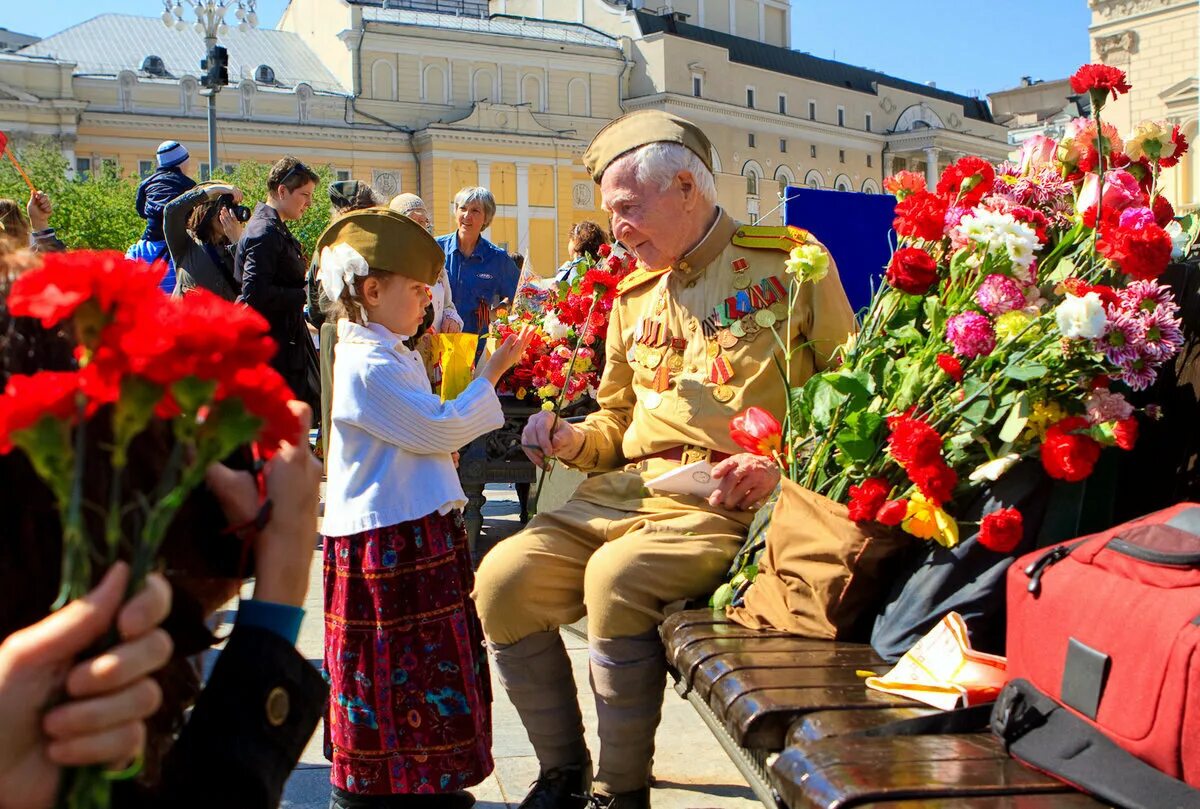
[[240, 212]]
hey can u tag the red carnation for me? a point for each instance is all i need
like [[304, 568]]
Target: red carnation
[[921, 215], [951, 366], [892, 512], [912, 442], [604, 250], [1002, 530], [966, 181], [1067, 455], [936, 480], [1181, 147], [912, 270], [29, 399], [1099, 81], [867, 498], [1164, 214], [1125, 432], [1142, 253]]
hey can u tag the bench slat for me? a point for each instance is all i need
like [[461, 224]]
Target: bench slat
[[693, 660], [854, 771], [760, 719], [824, 724], [1054, 800]]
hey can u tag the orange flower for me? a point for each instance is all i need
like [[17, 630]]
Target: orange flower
[[755, 430]]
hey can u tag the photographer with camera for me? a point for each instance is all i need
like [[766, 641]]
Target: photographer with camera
[[202, 228]]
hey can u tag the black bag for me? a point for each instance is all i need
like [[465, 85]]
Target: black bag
[[968, 578]]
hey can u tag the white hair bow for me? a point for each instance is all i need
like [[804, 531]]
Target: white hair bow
[[340, 265]]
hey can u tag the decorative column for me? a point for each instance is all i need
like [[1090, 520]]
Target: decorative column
[[523, 209], [888, 157], [931, 166]]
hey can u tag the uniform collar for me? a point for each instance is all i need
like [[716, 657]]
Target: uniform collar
[[708, 248]]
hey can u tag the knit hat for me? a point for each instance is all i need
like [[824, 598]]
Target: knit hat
[[171, 153], [403, 203]]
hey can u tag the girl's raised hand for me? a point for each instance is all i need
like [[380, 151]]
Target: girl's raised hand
[[507, 354]]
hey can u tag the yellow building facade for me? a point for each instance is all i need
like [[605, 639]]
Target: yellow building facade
[[1155, 43], [428, 96]]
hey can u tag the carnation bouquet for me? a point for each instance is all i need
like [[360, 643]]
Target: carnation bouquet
[[1017, 310], [566, 357], [193, 367]]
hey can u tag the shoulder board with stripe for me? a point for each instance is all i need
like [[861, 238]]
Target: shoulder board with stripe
[[771, 237], [638, 277]]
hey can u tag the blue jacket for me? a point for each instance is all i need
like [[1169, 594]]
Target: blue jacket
[[488, 275], [153, 195]]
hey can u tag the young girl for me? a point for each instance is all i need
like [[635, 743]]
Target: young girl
[[409, 719]]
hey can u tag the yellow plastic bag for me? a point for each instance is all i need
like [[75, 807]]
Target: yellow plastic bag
[[457, 353]]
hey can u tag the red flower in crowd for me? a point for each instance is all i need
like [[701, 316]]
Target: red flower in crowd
[[1103, 79], [1066, 454], [1002, 530], [64, 281], [921, 215], [604, 250], [903, 183], [936, 480], [1078, 287], [1125, 432], [912, 270], [264, 394], [892, 512], [29, 399], [966, 181], [1164, 213], [867, 498], [913, 442], [1181, 146], [1142, 253], [598, 281], [951, 366], [755, 430]]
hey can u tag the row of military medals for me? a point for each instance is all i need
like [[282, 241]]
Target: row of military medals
[[753, 307]]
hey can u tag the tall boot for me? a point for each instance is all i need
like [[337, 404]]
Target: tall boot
[[628, 676], [536, 673]]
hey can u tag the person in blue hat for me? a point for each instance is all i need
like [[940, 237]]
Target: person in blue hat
[[165, 184]]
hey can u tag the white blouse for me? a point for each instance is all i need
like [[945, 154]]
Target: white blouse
[[391, 437]]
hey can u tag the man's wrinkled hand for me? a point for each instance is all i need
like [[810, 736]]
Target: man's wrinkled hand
[[745, 481], [538, 443]]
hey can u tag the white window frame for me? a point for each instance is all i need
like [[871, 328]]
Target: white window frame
[[83, 168], [145, 168], [343, 175]]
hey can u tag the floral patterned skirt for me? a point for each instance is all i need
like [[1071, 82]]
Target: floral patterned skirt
[[410, 695]]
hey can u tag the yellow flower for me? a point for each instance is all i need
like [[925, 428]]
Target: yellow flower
[[1150, 139], [1044, 414], [547, 391], [925, 520], [522, 393], [808, 262], [1010, 324], [548, 407], [583, 364]]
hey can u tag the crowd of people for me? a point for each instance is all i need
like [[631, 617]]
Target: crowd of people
[[409, 627]]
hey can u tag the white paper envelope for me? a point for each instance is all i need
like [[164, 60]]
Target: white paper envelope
[[694, 479]]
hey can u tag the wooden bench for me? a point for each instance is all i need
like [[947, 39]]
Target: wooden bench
[[790, 712]]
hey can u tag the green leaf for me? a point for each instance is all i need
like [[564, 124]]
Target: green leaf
[[857, 439], [1024, 373], [935, 313], [976, 412], [722, 598], [1014, 425]]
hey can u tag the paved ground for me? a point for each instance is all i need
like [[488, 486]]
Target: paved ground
[[691, 770]]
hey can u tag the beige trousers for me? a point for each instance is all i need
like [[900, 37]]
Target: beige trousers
[[619, 567]]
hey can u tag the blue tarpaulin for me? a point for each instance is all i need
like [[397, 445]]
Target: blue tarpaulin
[[857, 229]]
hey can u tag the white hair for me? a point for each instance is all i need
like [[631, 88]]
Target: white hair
[[481, 195], [660, 164]]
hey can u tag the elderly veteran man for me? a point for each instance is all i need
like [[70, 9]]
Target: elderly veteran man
[[688, 348]]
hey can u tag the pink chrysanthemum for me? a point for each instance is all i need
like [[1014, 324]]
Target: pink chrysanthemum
[[1123, 338], [1163, 335], [1146, 297], [970, 334], [1138, 374], [999, 294], [1104, 405]]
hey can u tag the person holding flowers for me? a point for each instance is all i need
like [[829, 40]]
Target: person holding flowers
[[688, 345], [409, 717]]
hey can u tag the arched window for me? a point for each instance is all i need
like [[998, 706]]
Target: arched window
[[869, 186], [531, 92], [842, 183], [483, 86], [433, 85], [579, 100], [383, 80], [753, 173], [814, 179], [784, 176]]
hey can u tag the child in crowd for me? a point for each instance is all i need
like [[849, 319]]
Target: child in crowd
[[409, 719], [164, 185]]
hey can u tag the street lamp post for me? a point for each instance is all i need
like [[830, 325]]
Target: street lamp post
[[210, 21]]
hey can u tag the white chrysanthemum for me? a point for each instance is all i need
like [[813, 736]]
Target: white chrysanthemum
[[554, 328], [1081, 317], [1001, 232]]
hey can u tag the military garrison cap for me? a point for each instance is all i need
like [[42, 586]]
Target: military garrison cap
[[389, 242], [638, 129]]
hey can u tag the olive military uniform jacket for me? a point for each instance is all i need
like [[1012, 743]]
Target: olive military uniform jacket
[[658, 319]]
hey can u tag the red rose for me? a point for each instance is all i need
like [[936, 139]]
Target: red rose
[[1164, 214], [892, 512], [921, 215], [1101, 78], [1066, 455], [911, 270], [1002, 530], [935, 480], [950, 366], [867, 498], [1125, 432], [1181, 146], [966, 181], [1142, 253]]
